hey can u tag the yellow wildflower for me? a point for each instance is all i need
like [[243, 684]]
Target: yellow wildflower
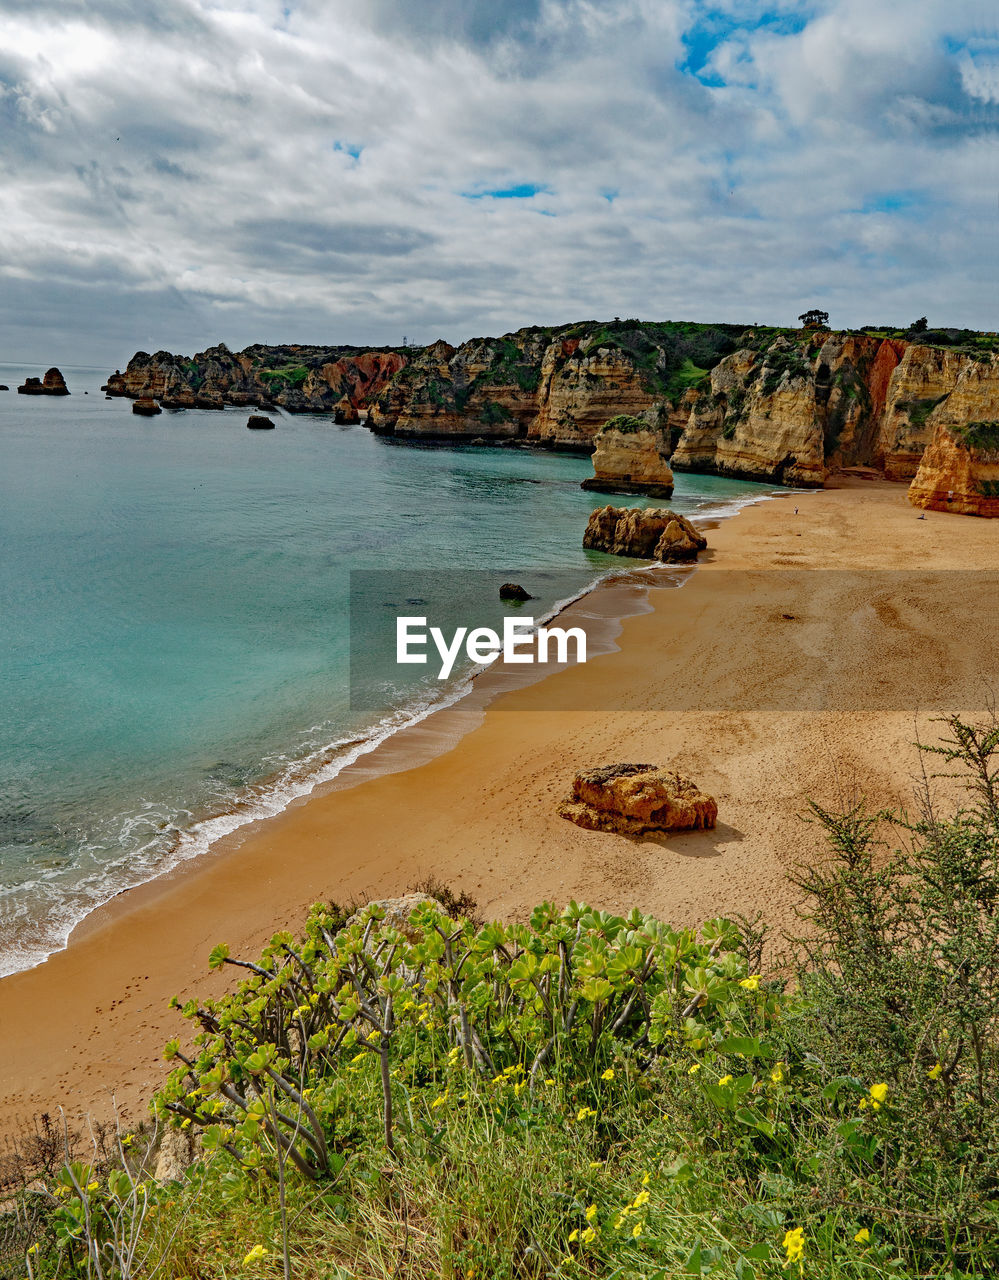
[[640, 1199], [692, 1070], [646, 1178], [453, 1055], [794, 1246], [878, 1094], [777, 1075], [936, 1071], [726, 1080], [550, 1080], [301, 1011], [751, 983], [596, 1164], [591, 1212], [256, 1254], [438, 1102], [357, 1057], [574, 1235], [589, 1235], [93, 1186], [862, 1236], [519, 1088], [636, 1230], [35, 1247], [608, 1074], [584, 1113]]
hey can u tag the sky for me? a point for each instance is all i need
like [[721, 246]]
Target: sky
[[179, 173]]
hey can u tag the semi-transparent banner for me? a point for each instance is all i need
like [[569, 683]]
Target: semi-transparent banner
[[777, 640]]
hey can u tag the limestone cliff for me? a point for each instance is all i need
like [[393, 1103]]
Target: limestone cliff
[[806, 404], [959, 470], [343, 381], [630, 456]]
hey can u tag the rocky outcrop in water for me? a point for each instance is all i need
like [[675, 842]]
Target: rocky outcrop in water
[[52, 384], [637, 800], [788, 406], [257, 422], [655, 533], [146, 407], [631, 456], [342, 381]]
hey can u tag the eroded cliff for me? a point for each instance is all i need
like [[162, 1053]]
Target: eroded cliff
[[343, 381]]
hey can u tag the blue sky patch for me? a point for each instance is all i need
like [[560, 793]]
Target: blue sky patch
[[349, 149], [522, 191], [714, 27]]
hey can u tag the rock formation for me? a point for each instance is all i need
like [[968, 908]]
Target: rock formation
[[53, 384], [637, 800], [4, 387], [301, 379], [257, 422], [514, 591], [146, 407], [787, 406], [631, 456], [655, 533]]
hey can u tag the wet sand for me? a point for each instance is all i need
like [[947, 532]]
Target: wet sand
[[765, 680]]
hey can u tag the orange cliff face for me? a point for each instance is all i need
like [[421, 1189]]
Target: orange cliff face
[[959, 470]]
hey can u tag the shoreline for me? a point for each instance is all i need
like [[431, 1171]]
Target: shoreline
[[300, 780], [480, 812]]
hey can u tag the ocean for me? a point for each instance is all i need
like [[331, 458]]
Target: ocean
[[175, 629]]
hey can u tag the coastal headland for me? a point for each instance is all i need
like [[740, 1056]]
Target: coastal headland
[[818, 638], [647, 399]]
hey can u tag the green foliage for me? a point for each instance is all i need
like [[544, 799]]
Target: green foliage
[[510, 367], [779, 366], [625, 423], [492, 414], [920, 410], [989, 488], [286, 377], [591, 1094], [983, 436]]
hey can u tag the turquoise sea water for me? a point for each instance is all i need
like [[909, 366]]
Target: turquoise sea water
[[174, 624]]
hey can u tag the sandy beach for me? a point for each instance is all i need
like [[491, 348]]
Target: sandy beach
[[802, 659]]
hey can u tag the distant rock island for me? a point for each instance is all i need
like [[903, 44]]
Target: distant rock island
[[647, 398], [53, 384]]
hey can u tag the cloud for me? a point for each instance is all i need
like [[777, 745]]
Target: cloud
[[253, 170]]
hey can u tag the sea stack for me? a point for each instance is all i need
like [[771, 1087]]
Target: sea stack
[[146, 407], [257, 422], [631, 456], [53, 384]]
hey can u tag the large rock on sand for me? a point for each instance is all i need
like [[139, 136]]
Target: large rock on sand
[[636, 800], [656, 533]]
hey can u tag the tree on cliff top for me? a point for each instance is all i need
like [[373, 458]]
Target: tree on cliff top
[[814, 319]]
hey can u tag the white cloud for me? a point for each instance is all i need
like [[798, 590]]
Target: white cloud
[[256, 171]]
